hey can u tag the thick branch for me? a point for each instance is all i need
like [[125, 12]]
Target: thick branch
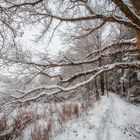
[[77, 63], [93, 17], [136, 5], [127, 12], [121, 43], [57, 89], [77, 75], [100, 71]]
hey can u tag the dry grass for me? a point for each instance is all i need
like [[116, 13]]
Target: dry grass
[[21, 122], [55, 116], [76, 110], [3, 124], [23, 119], [42, 134], [68, 112]]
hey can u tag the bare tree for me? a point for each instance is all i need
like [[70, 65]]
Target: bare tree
[[17, 13]]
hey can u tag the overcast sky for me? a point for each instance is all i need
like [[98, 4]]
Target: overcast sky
[[27, 41]]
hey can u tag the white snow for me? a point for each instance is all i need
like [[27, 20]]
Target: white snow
[[138, 75], [110, 119]]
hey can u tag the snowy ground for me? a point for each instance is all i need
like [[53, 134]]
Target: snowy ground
[[110, 119]]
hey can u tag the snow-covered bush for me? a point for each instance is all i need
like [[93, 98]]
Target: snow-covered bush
[[134, 94]]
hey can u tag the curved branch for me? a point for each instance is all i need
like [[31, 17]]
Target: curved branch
[[57, 89], [135, 64], [77, 75], [24, 4], [122, 42], [127, 12], [93, 17], [91, 31], [77, 63]]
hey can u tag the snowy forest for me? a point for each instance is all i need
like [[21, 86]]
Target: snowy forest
[[70, 70]]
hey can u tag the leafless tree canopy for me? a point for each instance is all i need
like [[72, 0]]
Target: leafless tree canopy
[[87, 20]]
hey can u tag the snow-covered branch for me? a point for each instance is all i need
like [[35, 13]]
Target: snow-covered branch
[[99, 70], [77, 63], [90, 31], [127, 12], [106, 18], [121, 43]]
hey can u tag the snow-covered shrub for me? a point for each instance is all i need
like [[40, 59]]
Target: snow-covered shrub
[[134, 94]]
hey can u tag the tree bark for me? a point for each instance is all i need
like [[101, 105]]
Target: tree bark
[[96, 90], [138, 39], [136, 5], [123, 84], [106, 83], [101, 79]]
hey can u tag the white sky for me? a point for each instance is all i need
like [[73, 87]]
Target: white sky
[[27, 42], [54, 47]]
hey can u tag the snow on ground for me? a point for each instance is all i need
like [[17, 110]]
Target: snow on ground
[[110, 119]]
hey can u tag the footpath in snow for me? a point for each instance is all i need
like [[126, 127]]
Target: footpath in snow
[[110, 119]]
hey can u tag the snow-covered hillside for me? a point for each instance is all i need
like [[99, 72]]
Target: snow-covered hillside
[[110, 119]]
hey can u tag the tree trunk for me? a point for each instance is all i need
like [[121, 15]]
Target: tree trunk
[[102, 84], [136, 5], [101, 78], [106, 83], [138, 39], [123, 84], [96, 90]]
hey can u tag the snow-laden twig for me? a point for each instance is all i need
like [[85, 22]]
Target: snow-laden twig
[[77, 63], [99, 70], [57, 89], [121, 42], [107, 18], [128, 12]]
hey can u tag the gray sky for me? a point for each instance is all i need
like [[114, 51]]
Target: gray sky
[[29, 35]]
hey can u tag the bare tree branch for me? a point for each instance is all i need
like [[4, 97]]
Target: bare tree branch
[[24, 4], [127, 12], [117, 19], [99, 70]]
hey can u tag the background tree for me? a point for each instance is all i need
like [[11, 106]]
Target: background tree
[[53, 15]]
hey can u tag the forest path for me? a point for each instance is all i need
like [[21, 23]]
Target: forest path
[[110, 119]]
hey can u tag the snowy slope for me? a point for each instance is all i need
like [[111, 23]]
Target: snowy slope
[[110, 119]]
